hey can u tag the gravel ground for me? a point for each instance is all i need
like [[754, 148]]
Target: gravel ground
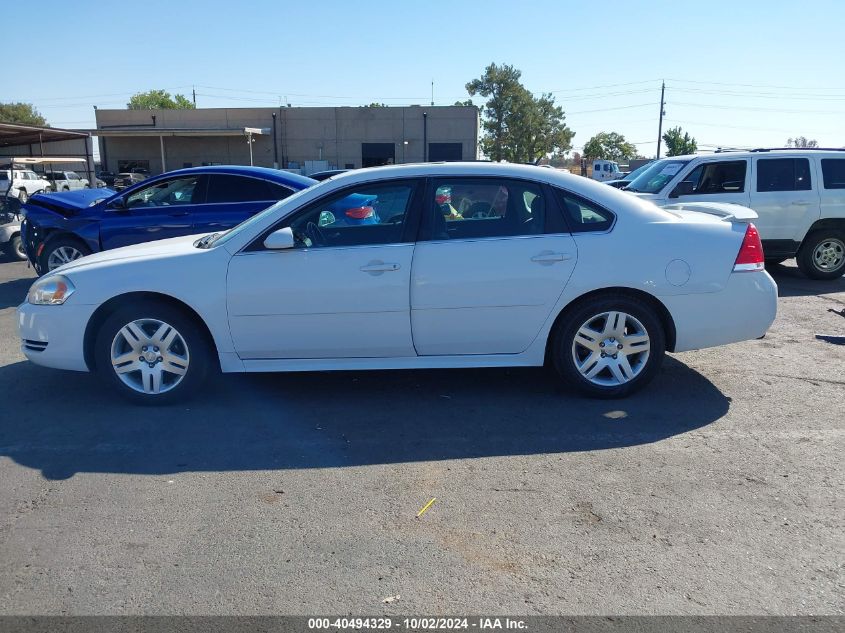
[[719, 489]]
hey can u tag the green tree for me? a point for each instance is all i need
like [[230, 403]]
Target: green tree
[[376, 105], [801, 141], [678, 144], [467, 102], [22, 113], [518, 127], [609, 146], [159, 100]]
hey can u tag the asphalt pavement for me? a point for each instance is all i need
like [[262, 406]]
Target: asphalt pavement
[[718, 489]]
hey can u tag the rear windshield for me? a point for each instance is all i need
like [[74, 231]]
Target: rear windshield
[[656, 176]]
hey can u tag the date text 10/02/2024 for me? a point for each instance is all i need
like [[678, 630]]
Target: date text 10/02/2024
[[417, 623]]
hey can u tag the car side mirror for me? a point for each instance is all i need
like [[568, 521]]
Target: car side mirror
[[280, 240], [118, 204], [684, 188]]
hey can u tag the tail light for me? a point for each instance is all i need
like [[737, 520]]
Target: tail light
[[359, 213], [750, 257]]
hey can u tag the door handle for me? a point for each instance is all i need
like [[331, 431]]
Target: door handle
[[550, 258], [377, 268], [801, 203], [178, 214]]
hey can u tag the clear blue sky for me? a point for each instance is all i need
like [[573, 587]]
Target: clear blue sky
[[740, 73]]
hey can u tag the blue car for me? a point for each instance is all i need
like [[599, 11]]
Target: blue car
[[61, 227]]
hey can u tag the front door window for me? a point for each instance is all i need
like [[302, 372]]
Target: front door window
[[165, 193]]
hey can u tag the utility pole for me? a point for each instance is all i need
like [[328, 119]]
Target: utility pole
[[425, 137], [432, 92], [194, 92], [662, 114]]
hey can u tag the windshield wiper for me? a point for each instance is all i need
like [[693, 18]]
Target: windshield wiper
[[205, 242]]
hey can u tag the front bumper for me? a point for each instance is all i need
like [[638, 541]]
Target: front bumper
[[53, 336], [742, 311]]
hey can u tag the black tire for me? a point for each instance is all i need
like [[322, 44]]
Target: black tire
[[563, 355], [23, 196], [814, 267], [14, 248], [56, 243], [200, 353]]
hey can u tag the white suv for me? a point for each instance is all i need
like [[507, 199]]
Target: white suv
[[798, 194], [24, 183]]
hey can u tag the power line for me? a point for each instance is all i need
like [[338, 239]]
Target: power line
[[738, 127], [627, 107], [717, 83], [753, 109], [760, 95], [630, 83], [112, 94], [301, 94]]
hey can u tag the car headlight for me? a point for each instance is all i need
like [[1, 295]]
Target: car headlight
[[50, 291]]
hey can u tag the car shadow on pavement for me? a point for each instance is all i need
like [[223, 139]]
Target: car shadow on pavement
[[13, 293], [792, 283], [64, 423]]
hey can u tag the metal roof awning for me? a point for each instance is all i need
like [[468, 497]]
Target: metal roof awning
[[12, 134], [43, 160], [163, 131]]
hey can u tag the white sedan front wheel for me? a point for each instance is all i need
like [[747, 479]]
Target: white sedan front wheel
[[152, 353], [609, 347]]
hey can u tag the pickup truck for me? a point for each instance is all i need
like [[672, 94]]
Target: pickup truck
[[24, 183], [66, 181]]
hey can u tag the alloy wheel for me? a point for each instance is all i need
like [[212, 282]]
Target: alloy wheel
[[149, 356], [63, 255], [611, 348]]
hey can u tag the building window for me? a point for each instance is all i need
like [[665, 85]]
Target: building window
[[438, 152], [377, 154], [138, 166]]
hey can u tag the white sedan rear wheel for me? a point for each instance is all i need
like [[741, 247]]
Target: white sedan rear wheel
[[609, 346]]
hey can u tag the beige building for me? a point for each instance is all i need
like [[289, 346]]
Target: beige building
[[304, 139]]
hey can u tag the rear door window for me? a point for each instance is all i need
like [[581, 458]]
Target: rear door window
[[469, 208], [833, 173], [230, 188], [783, 174]]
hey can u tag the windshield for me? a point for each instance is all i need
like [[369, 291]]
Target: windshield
[[222, 238], [636, 173], [656, 176]]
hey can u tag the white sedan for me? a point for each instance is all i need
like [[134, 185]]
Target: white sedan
[[418, 266]]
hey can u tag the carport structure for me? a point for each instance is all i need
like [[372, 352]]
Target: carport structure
[[18, 141], [151, 131]]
